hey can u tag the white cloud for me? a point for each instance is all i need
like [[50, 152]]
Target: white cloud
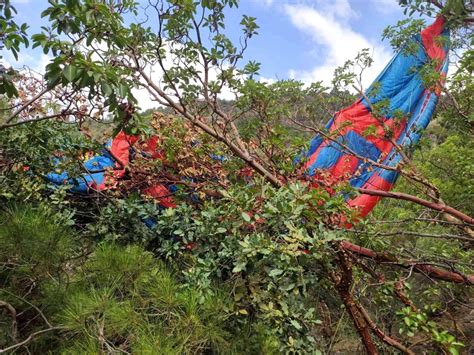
[[43, 61], [9, 60], [335, 41], [385, 6], [265, 3], [337, 8], [155, 73], [266, 80], [145, 100], [36, 62]]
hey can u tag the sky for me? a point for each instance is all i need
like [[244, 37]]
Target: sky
[[298, 39]]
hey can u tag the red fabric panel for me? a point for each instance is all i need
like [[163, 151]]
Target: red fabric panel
[[344, 167], [365, 203], [120, 149], [428, 37], [361, 119], [161, 194], [120, 146], [98, 187], [434, 49], [315, 155], [150, 147]]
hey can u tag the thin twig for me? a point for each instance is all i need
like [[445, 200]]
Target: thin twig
[[12, 311], [28, 103], [29, 339]]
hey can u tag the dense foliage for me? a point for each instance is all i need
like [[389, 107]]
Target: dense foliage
[[254, 258]]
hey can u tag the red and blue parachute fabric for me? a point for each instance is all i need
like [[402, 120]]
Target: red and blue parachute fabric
[[103, 171], [355, 130], [352, 130]]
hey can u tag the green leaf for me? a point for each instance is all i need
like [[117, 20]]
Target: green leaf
[[70, 72], [122, 90], [275, 273], [8, 88], [295, 324], [106, 88], [53, 77], [239, 266], [246, 217]]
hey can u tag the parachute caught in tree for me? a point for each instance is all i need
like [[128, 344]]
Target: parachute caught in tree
[[364, 142]]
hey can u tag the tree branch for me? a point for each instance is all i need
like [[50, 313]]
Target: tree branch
[[432, 205], [28, 103], [5, 126], [29, 339], [343, 283], [273, 179], [423, 268], [12, 311], [380, 334]]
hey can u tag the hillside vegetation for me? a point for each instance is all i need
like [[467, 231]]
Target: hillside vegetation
[[252, 257]]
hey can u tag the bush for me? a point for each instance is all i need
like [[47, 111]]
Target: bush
[[109, 298]]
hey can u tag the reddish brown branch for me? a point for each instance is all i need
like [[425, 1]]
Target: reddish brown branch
[[343, 282], [423, 268], [381, 335], [398, 289], [27, 104], [432, 205]]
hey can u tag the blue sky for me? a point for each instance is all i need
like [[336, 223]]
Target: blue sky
[[301, 39], [306, 40]]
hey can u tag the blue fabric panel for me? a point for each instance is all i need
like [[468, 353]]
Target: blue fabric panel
[[365, 175], [150, 222], [81, 184], [313, 146], [360, 145], [421, 118], [396, 74], [388, 175], [365, 148], [425, 116], [400, 82], [328, 156], [412, 98], [406, 100], [99, 163], [57, 178], [221, 158]]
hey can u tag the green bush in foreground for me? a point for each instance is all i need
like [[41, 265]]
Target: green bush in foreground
[[113, 298]]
